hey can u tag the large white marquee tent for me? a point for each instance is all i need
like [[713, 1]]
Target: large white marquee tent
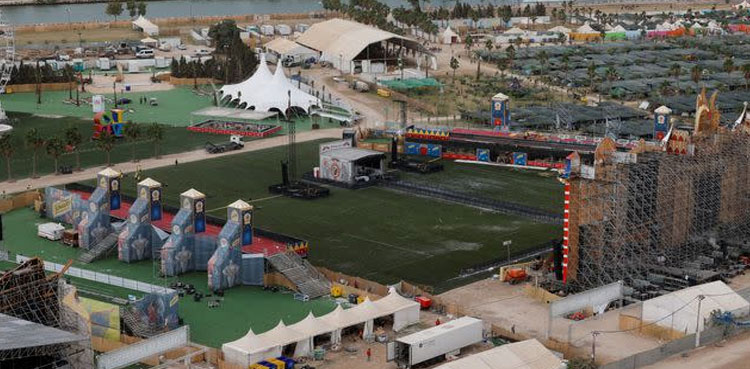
[[252, 347], [529, 354], [717, 296], [265, 92]]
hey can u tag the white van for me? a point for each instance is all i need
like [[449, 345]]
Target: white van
[[145, 54], [50, 231]]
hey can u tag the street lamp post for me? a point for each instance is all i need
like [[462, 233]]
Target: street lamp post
[[507, 244], [698, 322]]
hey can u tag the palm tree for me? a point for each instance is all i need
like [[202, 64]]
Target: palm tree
[[746, 73], [695, 73], [675, 70], [488, 45], [155, 132], [7, 149], [73, 139], [591, 71], [35, 140], [132, 133], [454, 65], [106, 142], [55, 147], [728, 65], [665, 87]]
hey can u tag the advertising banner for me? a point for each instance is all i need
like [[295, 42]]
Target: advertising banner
[[200, 215]]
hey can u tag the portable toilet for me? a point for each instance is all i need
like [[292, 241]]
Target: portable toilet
[[78, 65], [103, 64]]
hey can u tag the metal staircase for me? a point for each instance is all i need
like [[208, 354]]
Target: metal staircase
[[100, 249], [299, 271], [136, 325]]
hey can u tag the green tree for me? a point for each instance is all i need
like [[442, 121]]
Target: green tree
[[155, 133], [728, 65], [142, 8], [106, 142], [468, 43], [55, 147], [591, 71], [114, 9], [7, 149], [746, 73], [696, 73], [237, 58], [35, 141], [132, 8], [675, 70], [132, 133], [454, 65], [74, 139]]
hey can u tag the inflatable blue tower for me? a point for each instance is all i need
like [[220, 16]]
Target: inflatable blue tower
[[95, 223], [139, 238], [224, 267], [177, 252]]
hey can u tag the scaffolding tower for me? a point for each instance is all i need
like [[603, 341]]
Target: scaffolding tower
[[633, 216], [28, 294]]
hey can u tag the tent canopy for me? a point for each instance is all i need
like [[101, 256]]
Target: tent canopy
[[264, 92], [283, 46], [346, 39], [145, 25], [514, 31], [529, 354], [586, 29], [559, 29]]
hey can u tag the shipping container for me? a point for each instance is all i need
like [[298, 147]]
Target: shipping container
[[446, 338]]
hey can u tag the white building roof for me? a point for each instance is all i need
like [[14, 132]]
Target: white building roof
[[684, 304], [426, 334], [351, 153], [284, 46], [344, 38], [529, 354]]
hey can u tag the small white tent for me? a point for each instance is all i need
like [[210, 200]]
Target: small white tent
[[450, 37], [559, 29], [586, 29], [405, 311], [146, 26]]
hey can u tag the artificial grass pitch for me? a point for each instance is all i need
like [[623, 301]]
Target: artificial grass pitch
[[243, 307], [373, 233]]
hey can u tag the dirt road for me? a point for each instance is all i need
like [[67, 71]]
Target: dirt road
[[166, 160]]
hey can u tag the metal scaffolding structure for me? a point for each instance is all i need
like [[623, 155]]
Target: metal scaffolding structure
[[28, 294], [657, 219]]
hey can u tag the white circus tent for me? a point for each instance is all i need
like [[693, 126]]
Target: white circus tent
[[265, 92]]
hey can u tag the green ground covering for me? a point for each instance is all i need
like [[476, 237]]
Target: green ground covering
[[176, 139], [527, 187], [374, 233], [174, 109], [243, 307]]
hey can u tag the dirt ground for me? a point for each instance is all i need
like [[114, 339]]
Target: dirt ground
[[509, 307], [732, 354]]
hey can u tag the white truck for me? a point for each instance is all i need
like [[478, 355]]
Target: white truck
[[50, 231], [447, 338]]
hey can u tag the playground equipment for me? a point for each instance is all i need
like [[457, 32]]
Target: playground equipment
[[7, 58], [113, 123]]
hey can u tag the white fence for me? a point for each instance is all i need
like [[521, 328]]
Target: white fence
[[101, 277]]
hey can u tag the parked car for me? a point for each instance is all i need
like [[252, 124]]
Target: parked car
[[181, 47], [202, 52], [145, 54]]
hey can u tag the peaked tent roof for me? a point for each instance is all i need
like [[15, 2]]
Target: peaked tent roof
[[514, 31], [618, 29], [529, 354], [312, 326], [559, 29], [261, 76], [285, 46], [394, 302], [347, 39], [586, 29]]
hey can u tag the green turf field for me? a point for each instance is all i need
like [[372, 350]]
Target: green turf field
[[527, 187], [243, 307], [374, 233], [176, 139]]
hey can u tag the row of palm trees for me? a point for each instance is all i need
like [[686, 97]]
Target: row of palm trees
[[70, 142]]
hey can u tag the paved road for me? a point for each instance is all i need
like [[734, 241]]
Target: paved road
[[166, 160]]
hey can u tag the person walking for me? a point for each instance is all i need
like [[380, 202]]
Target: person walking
[[369, 354]]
